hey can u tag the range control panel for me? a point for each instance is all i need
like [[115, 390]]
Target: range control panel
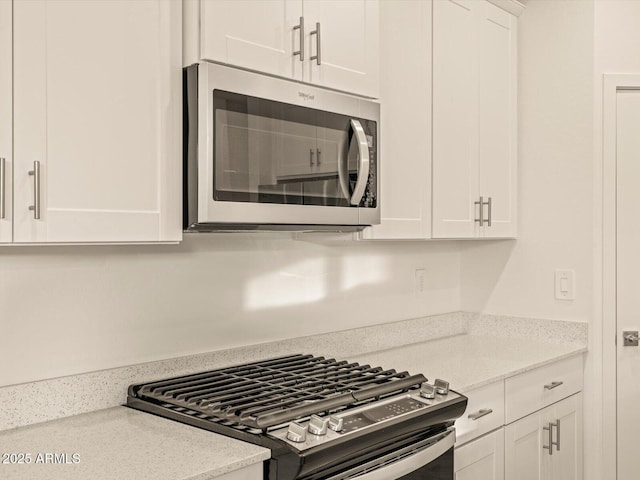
[[379, 413], [318, 429]]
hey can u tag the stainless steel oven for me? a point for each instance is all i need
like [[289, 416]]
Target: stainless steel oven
[[322, 419], [263, 152]]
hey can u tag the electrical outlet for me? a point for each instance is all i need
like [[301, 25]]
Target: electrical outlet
[[420, 281], [565, 285]]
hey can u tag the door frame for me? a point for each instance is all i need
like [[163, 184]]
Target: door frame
[[612, 83]]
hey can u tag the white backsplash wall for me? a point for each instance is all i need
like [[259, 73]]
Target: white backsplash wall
[[72, 309]]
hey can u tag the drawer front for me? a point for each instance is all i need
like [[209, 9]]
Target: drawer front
[[543, 386], [477, 420]]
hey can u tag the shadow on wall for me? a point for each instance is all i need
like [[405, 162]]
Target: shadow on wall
[[481, 266]]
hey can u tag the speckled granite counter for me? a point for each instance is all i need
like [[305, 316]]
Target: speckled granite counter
[[470, 361], [121, 444]]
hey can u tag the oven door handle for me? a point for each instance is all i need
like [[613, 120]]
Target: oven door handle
[[363, 161], [407, 464]]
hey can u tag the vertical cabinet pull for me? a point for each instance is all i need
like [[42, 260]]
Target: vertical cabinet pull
[[301, 36], [318, 156], [35, 173], [2, 188], [550, 446], [549, 429], [317, 56], [480, 205], [311, 153], [489, 212]]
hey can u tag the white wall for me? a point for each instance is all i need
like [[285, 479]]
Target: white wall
[[555, 178], [72, 309]]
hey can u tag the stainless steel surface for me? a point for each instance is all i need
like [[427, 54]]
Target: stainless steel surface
[[317, 56], [442, 387], [332, 435], [300, 28], [318, 156], [206, 214], [318, 425], [311, 153], [402, 462], [2, 187], [489, 212], [550, 438], [630, 338], [557, 442], [336, 423], [427, 391], [552, 385], [35, 173], [480, 413], [480, 204], [360, 139], [296, 432]]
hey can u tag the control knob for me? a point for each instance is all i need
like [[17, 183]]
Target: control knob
[[318, 425], [297, 433], [442, 387], [427, 391], [335, 423]]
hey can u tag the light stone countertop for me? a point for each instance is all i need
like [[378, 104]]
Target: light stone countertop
[[121, 443], [471, 361], [124, 444]]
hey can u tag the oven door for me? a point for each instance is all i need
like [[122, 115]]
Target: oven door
[[429, 459]]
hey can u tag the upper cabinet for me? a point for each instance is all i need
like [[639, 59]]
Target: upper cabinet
[[474, 120], [449, 147], [97, 119], [6, 123], [331, 43]]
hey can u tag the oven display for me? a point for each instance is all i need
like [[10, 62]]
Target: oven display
[[379, 414]]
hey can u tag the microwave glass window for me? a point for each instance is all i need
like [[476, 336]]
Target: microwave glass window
[[273, 152]]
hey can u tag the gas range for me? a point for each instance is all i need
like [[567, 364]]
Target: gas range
[[321, 418]]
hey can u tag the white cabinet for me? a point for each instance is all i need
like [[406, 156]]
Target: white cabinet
[[255, 34], [546, 445], [97, 113], [405, 123], [335, 46], [253, 472], [481, 459], [6, 123], [474, 120]]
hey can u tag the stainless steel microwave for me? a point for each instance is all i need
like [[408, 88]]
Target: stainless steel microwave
[[268, 153]]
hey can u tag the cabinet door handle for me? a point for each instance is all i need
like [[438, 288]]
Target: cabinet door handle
[[489, 212], [318, 156], [552, 385], [480, 413], [316, 32], [35, 173], [301, 36], [557, 442], [550, 446], [311, 153], [2, 188], [480, 204]]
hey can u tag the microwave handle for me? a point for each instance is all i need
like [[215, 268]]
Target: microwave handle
[[363, 162]]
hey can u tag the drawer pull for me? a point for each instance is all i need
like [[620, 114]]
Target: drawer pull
[[552, 385], [480, 413]]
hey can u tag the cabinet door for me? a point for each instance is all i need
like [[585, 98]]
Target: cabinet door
[[254, 34], [6, 123], [97, 102], [481, 459], [525, 457], [455, 119], [566, 461], [405, 155], [497, 152], [347, 45]]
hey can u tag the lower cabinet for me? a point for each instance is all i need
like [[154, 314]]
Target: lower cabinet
[[253, 472], [546, 445], [481, 459]]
